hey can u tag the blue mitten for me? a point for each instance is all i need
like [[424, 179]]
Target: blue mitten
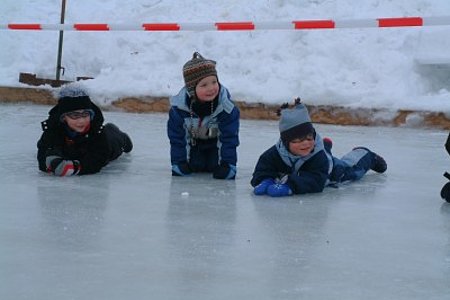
[[181, 169], [279, 190], [261, 188], [225, 171]]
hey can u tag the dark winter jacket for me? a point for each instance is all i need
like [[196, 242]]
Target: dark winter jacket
[[224, 119], [91, 149], [305, 174]]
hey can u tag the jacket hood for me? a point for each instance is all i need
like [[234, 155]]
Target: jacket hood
[[55, 116]]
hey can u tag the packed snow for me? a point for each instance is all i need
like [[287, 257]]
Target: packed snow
[[399, 68]]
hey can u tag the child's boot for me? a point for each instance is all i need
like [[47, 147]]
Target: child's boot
[[378, 165], [125, 140]]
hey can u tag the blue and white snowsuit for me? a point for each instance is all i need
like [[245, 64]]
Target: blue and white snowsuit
[[205, 142]]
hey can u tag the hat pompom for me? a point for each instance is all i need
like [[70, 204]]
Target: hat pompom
[[195, 70], [72, 90]]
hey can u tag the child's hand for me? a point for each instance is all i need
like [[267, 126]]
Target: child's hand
[[261, 188], [181, 169], [66, 167], [279, 190], [224, 171], [60, 167], [445, 192], [51, 162]]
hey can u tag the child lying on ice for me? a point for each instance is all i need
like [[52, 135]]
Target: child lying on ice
[[301, 161], [75, 141]]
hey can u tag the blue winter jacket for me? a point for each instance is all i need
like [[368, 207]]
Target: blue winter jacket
[[308, 174], [225, 119]]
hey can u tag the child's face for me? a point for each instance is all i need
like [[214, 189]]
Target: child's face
[[303, 146], [207, 89], [78, 120]]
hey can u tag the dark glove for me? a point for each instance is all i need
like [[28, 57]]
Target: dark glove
[[279, 190], [445, 192], [224, 171], [181, 169], [261, 188], [62, 167], [447, 144]]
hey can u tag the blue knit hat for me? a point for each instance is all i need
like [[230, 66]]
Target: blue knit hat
[[295, 122]]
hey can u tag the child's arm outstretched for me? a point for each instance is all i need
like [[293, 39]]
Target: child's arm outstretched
[[229, 140], [178, 144]]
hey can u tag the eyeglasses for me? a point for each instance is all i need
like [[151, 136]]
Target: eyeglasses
[[309, 137], [74, 115]]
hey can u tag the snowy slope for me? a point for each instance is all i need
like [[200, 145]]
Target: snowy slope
[[396, 68]]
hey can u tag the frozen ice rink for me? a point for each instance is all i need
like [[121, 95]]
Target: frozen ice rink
[[131, 232]]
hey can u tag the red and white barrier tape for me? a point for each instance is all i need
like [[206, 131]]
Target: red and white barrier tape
[[230, 26]]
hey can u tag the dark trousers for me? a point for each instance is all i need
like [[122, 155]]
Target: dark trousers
[[116, 140], [204, 156]]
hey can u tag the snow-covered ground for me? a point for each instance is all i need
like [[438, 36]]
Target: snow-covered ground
[[129, 232], [394, 68]]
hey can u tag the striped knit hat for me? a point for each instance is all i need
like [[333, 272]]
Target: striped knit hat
[[195, 70]]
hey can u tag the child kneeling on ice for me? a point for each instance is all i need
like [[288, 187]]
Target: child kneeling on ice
[[301, 162], [75, 141], [203, 125]]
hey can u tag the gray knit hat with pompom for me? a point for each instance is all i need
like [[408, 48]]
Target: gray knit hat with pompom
[[295, 122]]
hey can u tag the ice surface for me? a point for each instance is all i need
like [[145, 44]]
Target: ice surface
[[131, 232]]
